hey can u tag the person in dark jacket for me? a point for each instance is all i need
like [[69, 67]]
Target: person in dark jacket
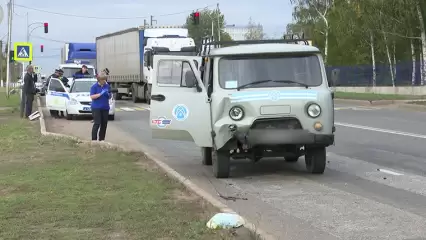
[[82, 72], [100, 95], [63, 79], [29, 90]]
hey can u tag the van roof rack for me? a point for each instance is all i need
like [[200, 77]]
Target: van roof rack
[[209, 43]]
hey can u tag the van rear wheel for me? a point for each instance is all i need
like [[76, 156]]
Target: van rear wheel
[[221, 164], [315, 160], [207, 157]]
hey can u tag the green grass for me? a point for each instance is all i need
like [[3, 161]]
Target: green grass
[[57, 189], [374, 96], [11, 102]]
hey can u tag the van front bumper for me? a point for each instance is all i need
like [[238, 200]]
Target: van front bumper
[[255, 137]]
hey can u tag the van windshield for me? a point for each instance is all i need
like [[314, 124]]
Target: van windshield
[[269, 71]]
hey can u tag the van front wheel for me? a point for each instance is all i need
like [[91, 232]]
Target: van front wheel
[[315, 160], [221, 164]]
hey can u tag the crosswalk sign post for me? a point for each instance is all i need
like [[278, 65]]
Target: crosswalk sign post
[[23, 51]]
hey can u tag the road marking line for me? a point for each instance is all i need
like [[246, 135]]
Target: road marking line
[[127, 109], [139, 109], [390, 172], [407, 134]]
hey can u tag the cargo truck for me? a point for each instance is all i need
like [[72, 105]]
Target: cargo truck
[[128, 56]]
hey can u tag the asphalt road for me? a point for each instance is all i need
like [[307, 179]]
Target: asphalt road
[[374, 186]]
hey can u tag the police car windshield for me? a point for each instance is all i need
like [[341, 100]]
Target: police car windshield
[[81, 86], [296, 70], [69, 72]]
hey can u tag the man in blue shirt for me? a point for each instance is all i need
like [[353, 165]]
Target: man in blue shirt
[[100, 95]]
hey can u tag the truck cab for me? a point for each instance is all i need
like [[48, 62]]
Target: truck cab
[[250, 100]]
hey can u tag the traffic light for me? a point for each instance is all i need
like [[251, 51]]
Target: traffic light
[[195, 18], [41, 48], [46, 27], [11, 56]]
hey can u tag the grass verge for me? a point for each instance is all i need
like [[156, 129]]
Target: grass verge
[[59, 189], [11, 102], [374, 96]]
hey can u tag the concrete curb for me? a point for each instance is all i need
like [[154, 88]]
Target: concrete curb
[[166, 168]]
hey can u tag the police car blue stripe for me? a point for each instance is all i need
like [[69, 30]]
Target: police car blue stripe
[[59, 94]]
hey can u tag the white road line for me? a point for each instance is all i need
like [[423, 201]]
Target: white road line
[[407, 134], [127, 109], [390, 172]]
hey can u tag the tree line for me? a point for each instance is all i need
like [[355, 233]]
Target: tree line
[[213, 23], [388, 36]]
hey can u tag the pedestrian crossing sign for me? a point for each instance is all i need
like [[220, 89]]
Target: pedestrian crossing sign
[[23, 51]]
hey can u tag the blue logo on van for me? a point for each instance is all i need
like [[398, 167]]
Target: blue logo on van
[[180, 112]]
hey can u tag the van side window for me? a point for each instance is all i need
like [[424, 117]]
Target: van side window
[[175, 73]]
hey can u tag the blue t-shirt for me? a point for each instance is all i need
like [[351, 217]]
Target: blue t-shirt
[[103, 101]]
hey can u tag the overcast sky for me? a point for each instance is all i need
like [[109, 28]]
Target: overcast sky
[[272, 14]]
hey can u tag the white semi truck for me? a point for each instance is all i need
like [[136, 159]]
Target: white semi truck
[[128, 56]]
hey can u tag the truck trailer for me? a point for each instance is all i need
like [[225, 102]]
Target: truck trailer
[[128, 56]]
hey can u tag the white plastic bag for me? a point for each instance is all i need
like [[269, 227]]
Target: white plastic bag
[[225, 221]]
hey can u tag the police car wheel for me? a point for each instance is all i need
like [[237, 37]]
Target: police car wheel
[[68, 116], [207, 156], [221, 164], [315, 160]]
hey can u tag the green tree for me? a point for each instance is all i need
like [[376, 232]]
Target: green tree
[[204, 29], [255, 31]]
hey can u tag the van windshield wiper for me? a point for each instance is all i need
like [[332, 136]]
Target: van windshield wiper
[[264, 81], [291, 81], [253, 83]]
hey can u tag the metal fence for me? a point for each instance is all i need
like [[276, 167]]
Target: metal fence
[[362, 75]]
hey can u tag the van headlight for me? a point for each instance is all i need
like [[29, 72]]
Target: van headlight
[[314, 110], [236, 113], [73, 101]]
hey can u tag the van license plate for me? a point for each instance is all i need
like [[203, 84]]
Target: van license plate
[[87, 109]]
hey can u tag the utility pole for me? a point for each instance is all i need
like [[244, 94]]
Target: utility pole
[[1, 60], [9, 40], [145, 23], [153, 20], [218, 22]]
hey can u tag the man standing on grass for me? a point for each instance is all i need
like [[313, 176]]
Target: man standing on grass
[[29, 90]]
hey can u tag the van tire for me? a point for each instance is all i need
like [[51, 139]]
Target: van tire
[[207, 156], [294, 158], [315, 160], [221, 164]]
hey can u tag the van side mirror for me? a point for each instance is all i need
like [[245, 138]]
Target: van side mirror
[[335, 76]]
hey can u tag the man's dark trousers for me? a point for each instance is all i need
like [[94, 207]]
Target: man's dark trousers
[[29, 99], [100, 122]]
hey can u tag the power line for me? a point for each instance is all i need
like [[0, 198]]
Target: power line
[[106, 18]]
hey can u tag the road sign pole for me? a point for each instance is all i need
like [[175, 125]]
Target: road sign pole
[[9, 40]]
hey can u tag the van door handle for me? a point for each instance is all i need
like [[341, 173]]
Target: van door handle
[[158, 97]]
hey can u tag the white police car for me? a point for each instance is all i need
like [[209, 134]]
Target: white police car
[[74, 101]]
